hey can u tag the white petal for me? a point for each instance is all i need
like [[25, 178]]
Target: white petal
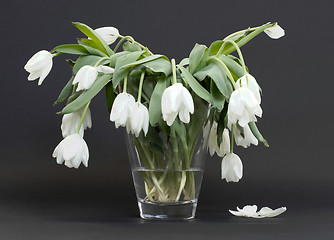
[[109, 34], [236, 213], [275, 32], [105, 69], [268, 212], [249, 210]]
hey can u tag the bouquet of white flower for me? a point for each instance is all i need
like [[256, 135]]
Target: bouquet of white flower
[[163, 105]]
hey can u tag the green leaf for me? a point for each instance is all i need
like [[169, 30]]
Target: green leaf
[[89, 44], [110, 95], [222, 123], [144, 60], [65, 92], [217, 73], [71, 49], [242, 40], [114, 57], [155, 102], [218, 97], [87, 95], [70, 62], [257, 133], [184, 61], [87, 60], [195, 57], [195, 86], [131, 47], [153, 141], [232, 65], [120, 72], [247, 38], [89, 32], [159, 65], [92, 50]]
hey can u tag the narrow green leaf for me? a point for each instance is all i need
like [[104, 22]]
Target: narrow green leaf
[[120, 72], [114, 57], [65, 92], [155, 102], [257, 133], [87, 95], [217, 73], [195, 86], [218, 97], [184, 62], [70, 62], [144, 60], [110, 95], [232, 65], [159, 65], [71, 49], [195, 57], [131, 47], [90, 43], [89, 32], [247, 38]]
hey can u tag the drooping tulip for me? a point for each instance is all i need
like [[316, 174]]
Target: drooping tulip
[[86, 76], [246, 140], [231, 168], [248, 81], [224, 147], [176, 100], [243, 107], [109, 34], [275, 32], [39, 66], [72, 150], [121, 109], [71, 121], [139, 119]]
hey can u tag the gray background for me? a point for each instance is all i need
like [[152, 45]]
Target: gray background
[[40, 199]]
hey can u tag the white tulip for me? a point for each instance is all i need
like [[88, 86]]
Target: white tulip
[[224, 147], [275, 32], [39, 66], [139, 119], [121, 109], [243, 106], [109, 34], [231, 168], [250, 211], [248, 138], [72, 150], [248, 81], [86, 76], [71, 121], [176, 100]]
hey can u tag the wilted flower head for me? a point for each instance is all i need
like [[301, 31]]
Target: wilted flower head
[[139, 119], [246, 140], [176, 100], [243, 107], [71, 121], [224, 147], [109, 34], [86, 76], [275, 32], [231, 168], [248, 81], [39, 66], [72, 150], [121, 109], [250, 211]]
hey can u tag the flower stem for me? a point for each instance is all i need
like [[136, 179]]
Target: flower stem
[[231, 138], [100, 60], [82, 117], [174, 70], [242, 31], [125, 83], [238, 50], [131, 40], [229, 75], [57, 54], [140, 85]]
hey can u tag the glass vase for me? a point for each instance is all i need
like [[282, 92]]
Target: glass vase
[[167, 167]]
